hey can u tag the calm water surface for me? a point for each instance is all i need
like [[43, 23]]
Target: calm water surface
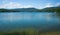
[[37, 20]]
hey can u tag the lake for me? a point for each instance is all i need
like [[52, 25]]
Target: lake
[[24, 20]]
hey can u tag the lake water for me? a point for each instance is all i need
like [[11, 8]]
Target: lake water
[[22, 20]]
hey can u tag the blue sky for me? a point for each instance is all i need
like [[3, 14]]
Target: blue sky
[[28, 3]]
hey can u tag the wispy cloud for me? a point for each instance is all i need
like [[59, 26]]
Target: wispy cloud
[[57, 4], [52, 5], [49, 5], [14, 5]]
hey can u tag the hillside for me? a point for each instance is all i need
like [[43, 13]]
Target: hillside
[[49, 9]]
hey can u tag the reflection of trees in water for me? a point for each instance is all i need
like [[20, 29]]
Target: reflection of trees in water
[[58, 14]]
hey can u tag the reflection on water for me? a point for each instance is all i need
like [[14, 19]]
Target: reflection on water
[[37, 20], [34, 16]]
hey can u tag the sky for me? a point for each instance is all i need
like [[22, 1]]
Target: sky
[[28, 3]]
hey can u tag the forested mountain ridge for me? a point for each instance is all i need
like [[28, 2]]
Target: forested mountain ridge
[[48, 9]]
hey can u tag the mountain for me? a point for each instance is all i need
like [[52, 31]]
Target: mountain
[[48, 9], [19, 10], [7, 10], [27, 9]]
